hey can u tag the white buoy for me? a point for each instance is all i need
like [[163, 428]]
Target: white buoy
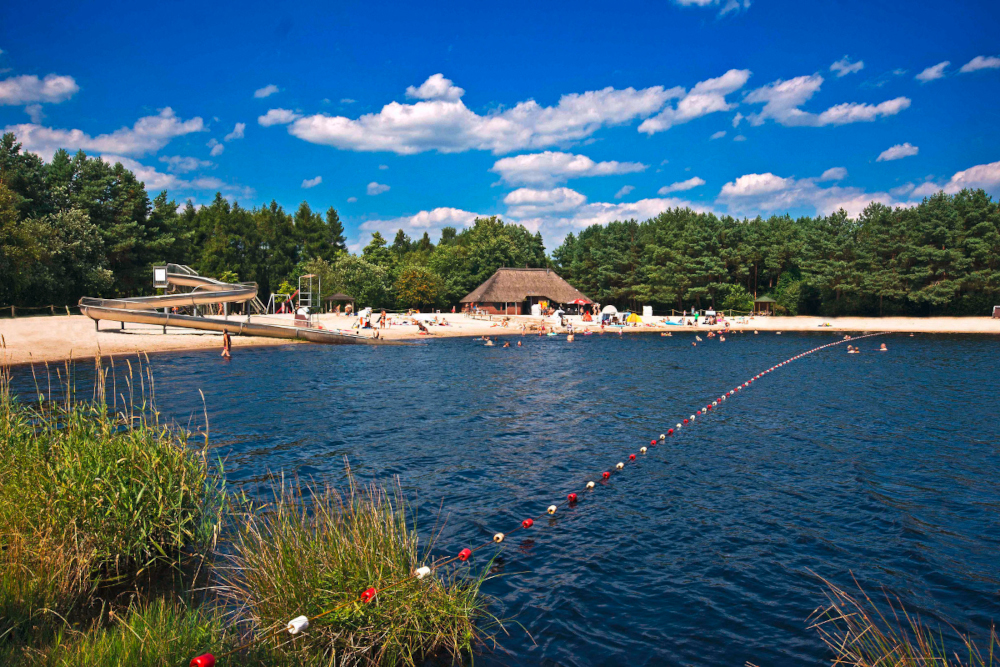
[[590, 485], [297, 625], [620, 465], [552, 509], [692, 417], [663, 436], [678, 425], [642, 450], [422, 572], [498, 538]]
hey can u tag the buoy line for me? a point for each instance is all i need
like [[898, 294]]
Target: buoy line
[[300, 623]]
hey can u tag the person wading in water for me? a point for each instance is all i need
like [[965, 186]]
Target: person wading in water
[[227, 344]]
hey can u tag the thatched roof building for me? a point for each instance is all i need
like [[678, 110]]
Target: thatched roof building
[[514, 291]]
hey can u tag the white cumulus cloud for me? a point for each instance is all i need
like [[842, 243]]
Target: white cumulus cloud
[[28, 88], [312, 182], [448, 126], [718, 135], [530, 202], [425, 221], [266, 91], [933, 72], [376, 188], [182, 165], [986, 176], [681, 186], [897, 152], [156, 181], [237, 132], [980, 62], [147, 135], [833, 174], [436, 87], [351, 200], [706, 97], [782, 99], [277, 117], [625, 189], [217, 148], [752, 194], [844, 66], [550, 167]]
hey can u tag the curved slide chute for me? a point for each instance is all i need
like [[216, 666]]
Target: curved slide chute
[[205, 291]]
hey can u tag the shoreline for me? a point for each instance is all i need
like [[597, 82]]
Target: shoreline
[[57, 338]]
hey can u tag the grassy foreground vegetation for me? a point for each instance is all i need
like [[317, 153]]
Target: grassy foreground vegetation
[[111, 530]]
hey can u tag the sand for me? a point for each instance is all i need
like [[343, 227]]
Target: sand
[[61, 337]]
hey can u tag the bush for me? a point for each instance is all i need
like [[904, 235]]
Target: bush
[[734, 297]]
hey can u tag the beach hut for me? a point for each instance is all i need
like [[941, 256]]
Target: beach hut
[[518, 291], [996, 312], [764, 306]]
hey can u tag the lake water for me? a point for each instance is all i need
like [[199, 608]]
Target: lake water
[[884, 465]]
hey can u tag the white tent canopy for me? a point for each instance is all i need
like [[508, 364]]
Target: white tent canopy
[[609, 310]]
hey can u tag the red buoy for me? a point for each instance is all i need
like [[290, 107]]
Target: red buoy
[[698, 413], [527, 523], [369, 595], [652, 442], [670, 431], [605, 475], [685, 421], [631, 457], [207, 660], [464, 554], [571, 497]]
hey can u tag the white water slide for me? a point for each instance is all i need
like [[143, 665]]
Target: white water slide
[[206, 291]]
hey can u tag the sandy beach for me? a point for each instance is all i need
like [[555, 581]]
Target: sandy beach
[[61, 337]]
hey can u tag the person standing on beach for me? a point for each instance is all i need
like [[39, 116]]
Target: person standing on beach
[[227, 344]]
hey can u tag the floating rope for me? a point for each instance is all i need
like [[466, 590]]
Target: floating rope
[[295, 626]]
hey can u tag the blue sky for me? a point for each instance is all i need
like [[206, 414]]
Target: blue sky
[[555, 115]]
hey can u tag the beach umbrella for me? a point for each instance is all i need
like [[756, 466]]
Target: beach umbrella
[[578, 302]]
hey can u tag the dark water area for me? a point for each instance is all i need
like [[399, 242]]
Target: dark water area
[[884, 465]]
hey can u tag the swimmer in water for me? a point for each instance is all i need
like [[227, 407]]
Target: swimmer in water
[[519, 343], [883, 348], [506, 343]]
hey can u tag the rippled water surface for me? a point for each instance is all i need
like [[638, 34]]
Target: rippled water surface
[[881, 464]]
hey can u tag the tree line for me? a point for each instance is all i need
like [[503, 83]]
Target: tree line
[[941, 257], [79, 226]]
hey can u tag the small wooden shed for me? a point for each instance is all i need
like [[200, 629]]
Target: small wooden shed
[[764, 306]]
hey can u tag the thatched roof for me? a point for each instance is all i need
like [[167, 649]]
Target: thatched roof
[[764, 299], [516, 285]]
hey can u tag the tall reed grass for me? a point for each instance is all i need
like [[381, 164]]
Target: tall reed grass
[[859, 633], [90, 496], [311, 550]]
